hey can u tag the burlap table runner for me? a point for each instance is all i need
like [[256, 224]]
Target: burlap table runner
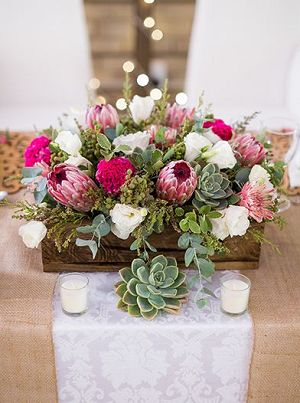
[[27, 370], [275, 309]]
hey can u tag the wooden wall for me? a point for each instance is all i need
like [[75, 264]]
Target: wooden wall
[[117, 34]]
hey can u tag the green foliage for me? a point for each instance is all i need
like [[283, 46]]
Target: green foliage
[[149, 160], [91, 149], [160, 112], [127, 89], [213, 188], [275, 170], [57, 155], [240, 127], [136, 190], [102, 202], [99, 228], [148, 287]]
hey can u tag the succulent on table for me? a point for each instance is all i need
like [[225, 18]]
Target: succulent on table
[[213, 187], [147, 288]]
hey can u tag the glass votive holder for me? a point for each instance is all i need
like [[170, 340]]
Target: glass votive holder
[[235, 290], [74, 293]]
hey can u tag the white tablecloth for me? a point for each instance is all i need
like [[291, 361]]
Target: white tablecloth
[[200, 356]]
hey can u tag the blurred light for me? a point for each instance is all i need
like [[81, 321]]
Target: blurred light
[[149, 22], [128, 66], [155, 94], [181, 98], [149, 1], [121, 104], [94, 83], [142, 80], [100, 100], [157, 35]]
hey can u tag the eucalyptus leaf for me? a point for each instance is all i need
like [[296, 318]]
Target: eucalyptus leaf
[[39, 195], [90, 243], [184, 240], [110, 133], [87, 229], [189, 256], [31, 172]]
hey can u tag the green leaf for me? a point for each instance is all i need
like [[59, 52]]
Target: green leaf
[[184, 241], [144, 304], [90, 243], [194, 227], [131, 286], [143, 274], [135, 245], [214, 214], [159, 259], [129, 299], [104, 142], [179, 211], [152, 248], [122, 147], [204, 209], [31, 172], [184, 225], [135, 264], [87, 229], [192, 281], [201, 303], [207, 267], [191, 216], [121, 289], [150, 315], [111, 133], [169, 154], [189, 256], [209, 292], [134, 310], [202, 250], [157, 301], [39, 196], [126, 274], [182, 292], [203, 224], [171, 271], [119, 129]]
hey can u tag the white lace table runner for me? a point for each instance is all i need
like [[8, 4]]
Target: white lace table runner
[[200, 356]]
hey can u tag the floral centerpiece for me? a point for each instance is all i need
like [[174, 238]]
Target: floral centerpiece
[[154, 166]]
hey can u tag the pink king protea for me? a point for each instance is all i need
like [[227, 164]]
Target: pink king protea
[[176, 182], [258, 200], [248, 151], [105, 115], [68, 185], [176, 115]]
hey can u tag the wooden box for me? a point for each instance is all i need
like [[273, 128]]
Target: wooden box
[[115, 254]]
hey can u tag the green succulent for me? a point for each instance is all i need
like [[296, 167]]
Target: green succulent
[[147, 288], [213, 187]]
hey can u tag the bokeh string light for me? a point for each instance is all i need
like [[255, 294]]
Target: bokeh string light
[[157, 35], [155, 94], [181, 98], [121, 104], [128, 66], [149, 22], [142, 80]]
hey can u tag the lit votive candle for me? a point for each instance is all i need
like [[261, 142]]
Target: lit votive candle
[[74, 293], [235, 289]]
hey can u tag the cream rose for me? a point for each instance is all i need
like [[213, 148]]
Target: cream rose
[[68, 142], [133, 140], [126, 219], [141, 108], [194, 143], [33, 233], [259, 175]]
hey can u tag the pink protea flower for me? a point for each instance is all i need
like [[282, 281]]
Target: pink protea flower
[[258, 200], [248, 151], [220, 128], [176, 182], [112, 174], [105, 115], [176, 115], [170, 135], [37, 151], [69, 186]]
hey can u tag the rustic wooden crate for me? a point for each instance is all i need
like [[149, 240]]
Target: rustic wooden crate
[[115, 254]]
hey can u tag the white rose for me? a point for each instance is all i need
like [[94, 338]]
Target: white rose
[[234, 222], [33, 233], [79, 160], [68, 142], [221, 154], [194, 143], [70, 121], [141, 108], [259, 175], [133, 140], [126, 219]]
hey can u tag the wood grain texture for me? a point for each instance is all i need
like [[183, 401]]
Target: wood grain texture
[[115, 254]]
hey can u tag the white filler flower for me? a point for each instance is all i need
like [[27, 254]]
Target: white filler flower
[[126, 219], [33, 233], [141, 108], [133, 140], [68, 142]]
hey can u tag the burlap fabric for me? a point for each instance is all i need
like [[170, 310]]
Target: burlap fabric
[[27, 367], [275, 309], [27, 370]]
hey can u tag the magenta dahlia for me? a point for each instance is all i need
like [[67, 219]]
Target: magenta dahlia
[[37, 151], [69, 186], [105, 115], [248, 151], [176, 115], [258, 200], [220, 128], [176, 182], [112, 174]]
